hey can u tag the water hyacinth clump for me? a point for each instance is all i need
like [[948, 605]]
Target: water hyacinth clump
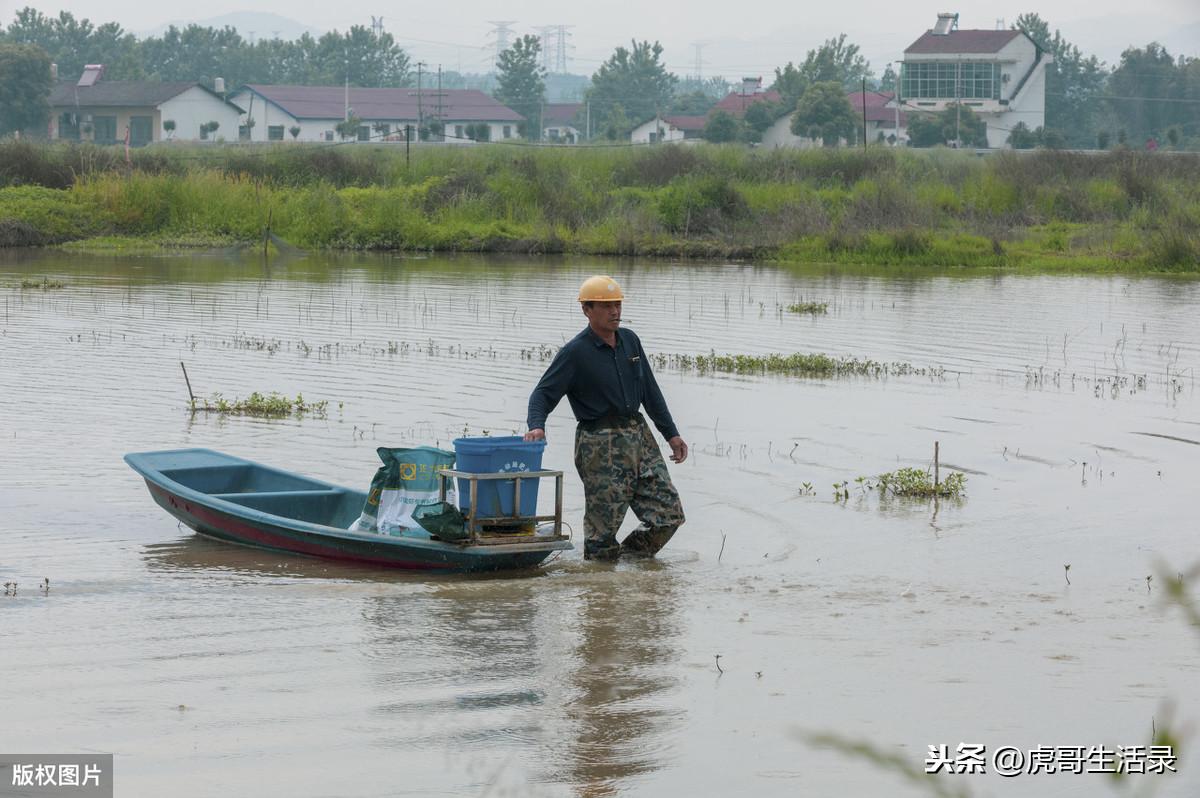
[[918, 482], [272, 405]]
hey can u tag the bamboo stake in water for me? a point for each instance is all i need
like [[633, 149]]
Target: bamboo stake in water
[[936, 480], [191, 395]]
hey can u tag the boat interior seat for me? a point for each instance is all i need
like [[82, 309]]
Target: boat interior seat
[[241, 478], [336, 508]]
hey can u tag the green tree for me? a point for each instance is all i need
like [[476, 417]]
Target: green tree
[[835, 61], [25, 87], [889, 79], [825, 113], [71, 43], [521, 82], [930, 130], [758, 117], [1021, 137], [694, 103], [1143, 90], [1073, 82], [714, 88], [348, 128], [617, 124], [634, 79], [722, 128]]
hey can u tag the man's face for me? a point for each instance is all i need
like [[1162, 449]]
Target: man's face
[[604, 317]]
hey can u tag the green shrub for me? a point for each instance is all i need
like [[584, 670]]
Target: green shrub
[[699, 205]]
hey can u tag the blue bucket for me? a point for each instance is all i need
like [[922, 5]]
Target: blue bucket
[[494, 456]]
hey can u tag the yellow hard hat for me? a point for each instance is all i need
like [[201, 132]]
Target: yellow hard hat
[[600, 289]]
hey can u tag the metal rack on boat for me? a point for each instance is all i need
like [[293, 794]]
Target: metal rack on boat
[[476, 525]]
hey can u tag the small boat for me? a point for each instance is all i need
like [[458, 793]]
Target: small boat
[[245, 502]]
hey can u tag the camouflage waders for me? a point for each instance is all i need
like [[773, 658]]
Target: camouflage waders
[[622, 468]]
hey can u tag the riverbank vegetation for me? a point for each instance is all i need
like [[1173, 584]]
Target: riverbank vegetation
[[1120, 211]]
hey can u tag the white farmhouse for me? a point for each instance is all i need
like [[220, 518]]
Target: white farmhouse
[[669, 128], [312, 113], [102, 111], [559, 122], [999, 74]]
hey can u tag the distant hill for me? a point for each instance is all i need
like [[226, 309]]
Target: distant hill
[[263, 25]]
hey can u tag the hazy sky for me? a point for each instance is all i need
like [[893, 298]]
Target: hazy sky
[[738, 39]]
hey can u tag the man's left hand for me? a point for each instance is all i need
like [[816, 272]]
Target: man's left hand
[[679, 450]]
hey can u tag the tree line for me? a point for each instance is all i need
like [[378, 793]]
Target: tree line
[[1149, 94]]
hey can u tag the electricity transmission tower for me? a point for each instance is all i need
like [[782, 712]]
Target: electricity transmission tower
[[501, 30], [562, 33], [377, 26], [699, 60], [546, 36]]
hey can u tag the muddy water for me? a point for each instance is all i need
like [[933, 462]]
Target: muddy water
[[206, 668]]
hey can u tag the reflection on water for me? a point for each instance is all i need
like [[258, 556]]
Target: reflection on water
[[629, 639], [576, 675]]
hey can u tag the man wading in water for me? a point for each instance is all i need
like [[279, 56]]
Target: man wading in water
[[606, 376]]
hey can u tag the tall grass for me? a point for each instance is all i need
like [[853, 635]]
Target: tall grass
[[879, 205]]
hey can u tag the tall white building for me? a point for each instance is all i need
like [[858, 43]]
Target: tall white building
[[998, 74]]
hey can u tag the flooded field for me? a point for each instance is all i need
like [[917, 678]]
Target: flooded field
[[777, 612]]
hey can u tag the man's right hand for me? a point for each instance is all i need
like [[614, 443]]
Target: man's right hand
[[536, 435]]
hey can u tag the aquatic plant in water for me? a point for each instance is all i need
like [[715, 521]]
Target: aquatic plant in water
[[45, 284], [798, 364], [919, 483], [272, 405], [813, 308]]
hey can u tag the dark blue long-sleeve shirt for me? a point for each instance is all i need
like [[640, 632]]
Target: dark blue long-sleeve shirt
[[601, 381]]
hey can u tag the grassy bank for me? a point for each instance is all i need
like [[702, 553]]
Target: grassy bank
[[1121, 211]]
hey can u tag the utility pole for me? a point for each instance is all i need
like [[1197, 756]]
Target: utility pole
[[347, 117], [958, 103], [864, 102], [439, 102], [420, 66], [896, 104], [587, 115]]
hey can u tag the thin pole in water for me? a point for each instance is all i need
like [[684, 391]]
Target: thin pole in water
[[191, 395], [936, 475]]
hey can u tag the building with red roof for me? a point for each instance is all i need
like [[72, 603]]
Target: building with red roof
[[559, 122], [386, 114]]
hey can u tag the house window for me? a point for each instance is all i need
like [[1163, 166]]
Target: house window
[[458, 132], [508, 131], [68, 127], [141, 130], [364, 133], [104, 130], [274, 132], [976, 80], [329, 135]]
